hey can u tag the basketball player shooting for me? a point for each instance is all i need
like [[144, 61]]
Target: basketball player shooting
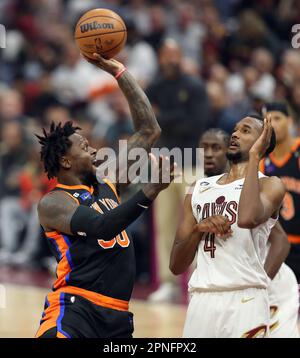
[[85, 225], [227, 221]]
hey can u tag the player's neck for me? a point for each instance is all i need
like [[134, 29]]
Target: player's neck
[[69, 180], [283, 148], [237, 171]]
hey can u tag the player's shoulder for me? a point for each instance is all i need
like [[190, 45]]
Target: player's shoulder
[[53, 199], [272, 182]]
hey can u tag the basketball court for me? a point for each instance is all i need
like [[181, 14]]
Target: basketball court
[[24, 304]]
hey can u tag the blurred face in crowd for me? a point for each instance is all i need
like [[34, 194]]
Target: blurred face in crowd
[[281, 124], [244, 135], [217, 96], [71, 55], [296, 95], [12, 135], [215, 149], [57, 114], [291, 65], [170, 59], [262, 60], [11, 105]]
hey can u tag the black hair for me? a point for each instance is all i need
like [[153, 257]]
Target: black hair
[[218, 131], [278, 107], [272, 144], [55, 144]]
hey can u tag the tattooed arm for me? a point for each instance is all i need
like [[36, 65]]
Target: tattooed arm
[[146, 127]]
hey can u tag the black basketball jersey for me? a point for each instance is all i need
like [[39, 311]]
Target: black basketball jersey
[[103, 267], [288, 171]]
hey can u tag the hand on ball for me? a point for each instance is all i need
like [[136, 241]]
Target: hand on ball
[[111, 66]]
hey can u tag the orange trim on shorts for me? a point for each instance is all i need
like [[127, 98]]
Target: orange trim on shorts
[[51, 315], [75, 187], [294, 239], [63, 267], [96, 298], [60, 335], [113, 187], [52, 312]]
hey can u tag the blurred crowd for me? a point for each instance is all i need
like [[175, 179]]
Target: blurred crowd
[[203, 63]]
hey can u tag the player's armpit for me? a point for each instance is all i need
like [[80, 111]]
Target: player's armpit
[[56, 210]]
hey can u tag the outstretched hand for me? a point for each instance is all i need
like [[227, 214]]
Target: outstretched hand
[[163, 172], [111, 66], [262, 143]]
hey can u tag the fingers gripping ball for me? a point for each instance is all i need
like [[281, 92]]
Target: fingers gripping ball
[[101, 31]]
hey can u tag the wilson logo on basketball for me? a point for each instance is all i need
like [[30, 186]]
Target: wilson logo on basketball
[[95, 26]]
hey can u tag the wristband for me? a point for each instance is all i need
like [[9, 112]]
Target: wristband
[[120, 73]]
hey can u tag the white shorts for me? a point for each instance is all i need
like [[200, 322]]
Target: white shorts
[[232, 314], [284, 304]]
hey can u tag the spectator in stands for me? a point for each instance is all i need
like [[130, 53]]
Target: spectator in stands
[[181, 105], [13, 156]]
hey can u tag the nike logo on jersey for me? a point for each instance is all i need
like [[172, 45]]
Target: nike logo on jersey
[[245, 300]]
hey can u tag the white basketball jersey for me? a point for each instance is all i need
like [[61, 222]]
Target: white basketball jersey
[[235, 263]]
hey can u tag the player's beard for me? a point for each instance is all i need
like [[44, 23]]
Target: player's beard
[[234, 157]]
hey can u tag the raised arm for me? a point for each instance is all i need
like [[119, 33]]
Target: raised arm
[[146, 127], [279, 249], [189, 235], [260, 198], [58, 212]]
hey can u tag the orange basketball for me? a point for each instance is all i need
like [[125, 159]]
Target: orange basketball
[[101, 31]]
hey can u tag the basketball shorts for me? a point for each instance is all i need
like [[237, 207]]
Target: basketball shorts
[[284, 304], [232, 314], [77, 317]]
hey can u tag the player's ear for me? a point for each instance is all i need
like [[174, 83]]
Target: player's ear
[[65, 162]]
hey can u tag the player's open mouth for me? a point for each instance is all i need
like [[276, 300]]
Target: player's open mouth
[[94, 162], [233, 144], [209, 164]]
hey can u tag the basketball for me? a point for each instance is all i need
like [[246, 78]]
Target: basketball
[[101, 31]]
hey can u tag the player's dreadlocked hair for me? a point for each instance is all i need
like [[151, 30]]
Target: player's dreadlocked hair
[[55, 144]]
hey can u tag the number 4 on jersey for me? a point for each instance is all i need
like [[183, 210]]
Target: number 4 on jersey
[[209, 244]]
